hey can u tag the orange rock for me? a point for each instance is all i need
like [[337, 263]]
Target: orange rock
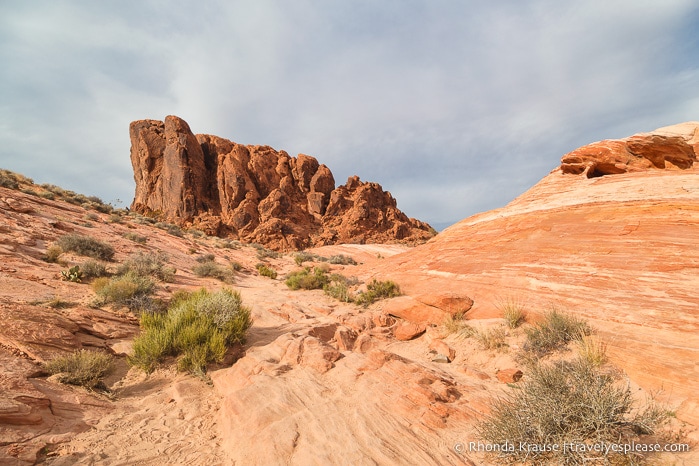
[[407, 331], [509, 375], [440, 347]]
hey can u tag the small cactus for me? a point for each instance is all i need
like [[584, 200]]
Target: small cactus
[[73, 274]]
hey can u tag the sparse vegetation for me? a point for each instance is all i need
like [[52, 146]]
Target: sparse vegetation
[[86, 246], [457, 325], [266, 271], [209, 268], [307, 280], [338, 288], [263, 253], [555, 331], [174, 230], [491, 339], [135, 237], [53, 253], [8, 179], [205, 258], [567, 403], [73, 274], [513, 312], [341, 259], [236, 266], [377, 290], [148, 265], [592, 350], [198, 328], [94, 269], [85, 368], [130, 290]]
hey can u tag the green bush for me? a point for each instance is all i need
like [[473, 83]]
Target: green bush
[[341, 259], [554, 332], [86, 368], [564, 403], [266, 271], [304, 279], [198, 328], [338, 287], [86, 246], [211, 269], [130, 290], [377, 290], [148, 265]]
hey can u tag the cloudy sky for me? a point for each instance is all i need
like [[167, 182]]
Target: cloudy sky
[[456, 107]]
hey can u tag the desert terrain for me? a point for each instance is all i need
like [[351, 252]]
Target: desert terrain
[[320, 381]]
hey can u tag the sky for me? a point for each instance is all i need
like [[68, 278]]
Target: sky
[[455, 107]]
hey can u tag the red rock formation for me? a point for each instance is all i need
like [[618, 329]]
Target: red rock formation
[[256, 193], [636, 153]]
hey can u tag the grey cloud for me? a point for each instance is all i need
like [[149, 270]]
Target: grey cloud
[[456, 107]]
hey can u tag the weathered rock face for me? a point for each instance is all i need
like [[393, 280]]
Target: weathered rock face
[[618, 250], [256, 193], [637, 153]]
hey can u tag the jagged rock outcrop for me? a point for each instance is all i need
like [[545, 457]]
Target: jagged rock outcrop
[[256, 193], [665, 148]]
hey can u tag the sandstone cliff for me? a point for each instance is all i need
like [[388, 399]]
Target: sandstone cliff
[[611, 236], [256, 193]]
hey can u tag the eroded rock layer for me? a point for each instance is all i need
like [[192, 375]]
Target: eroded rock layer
[[256, 193], [619, 250]]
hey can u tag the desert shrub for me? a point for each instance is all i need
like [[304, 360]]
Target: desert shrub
[[377, 290], [94, 269], [564, 403], [58, 303], [135, 237], [264, 253], [130, 290], [205, 258], [196, 233], [103, 208], [86, 246], [228, 244], [91, 216], [456, 324], [198, 328], [85, 368], [211, 269], [53, 253], [29, 191], [341, 259], [72, 274], [307, 280], [174, 230], [513, 312], [338, 287], [554, 332], [148, 265], [47, 195], [266, 271], [491, 339], [8, 180], [592, 350], [236, 266]]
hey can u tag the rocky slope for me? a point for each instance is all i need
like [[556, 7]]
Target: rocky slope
[[257, 194], [611, 235]]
